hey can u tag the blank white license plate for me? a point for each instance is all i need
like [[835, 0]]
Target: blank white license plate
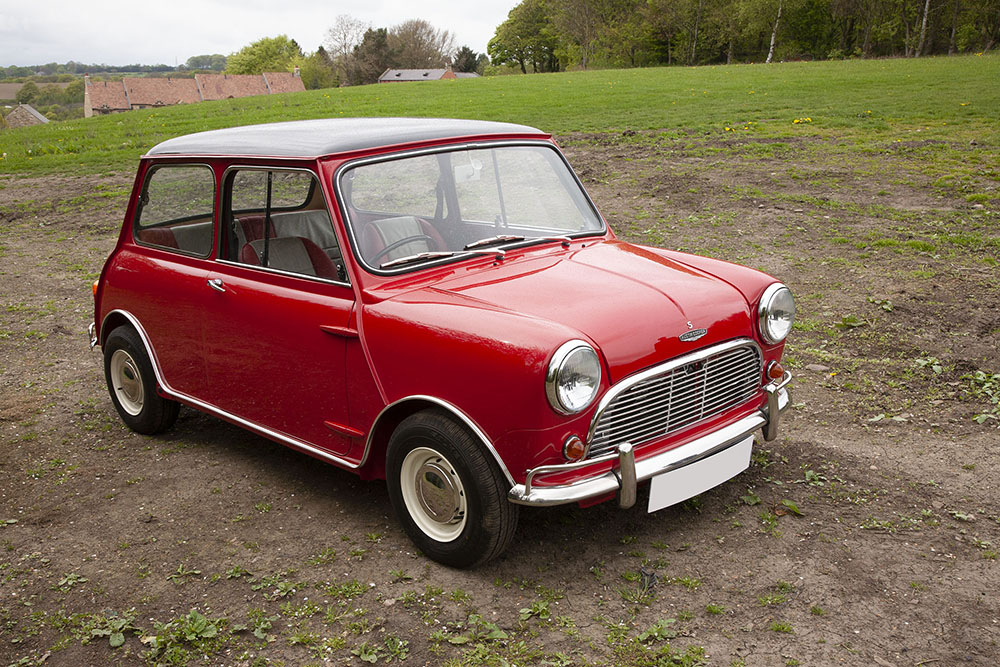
[[678, 485]]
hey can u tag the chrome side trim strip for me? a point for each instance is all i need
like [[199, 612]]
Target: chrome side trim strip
[[617, 479], [465, 419], [294, 443]]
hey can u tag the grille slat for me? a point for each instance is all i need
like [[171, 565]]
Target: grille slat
[[654, 403], [678, 398]]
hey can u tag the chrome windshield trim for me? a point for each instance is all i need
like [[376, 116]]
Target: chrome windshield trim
[[460, 145], [666, 367]]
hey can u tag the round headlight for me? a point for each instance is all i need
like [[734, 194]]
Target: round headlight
[[776, 313], [573, 377]]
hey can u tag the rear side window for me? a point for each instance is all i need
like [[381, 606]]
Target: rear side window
[[175, 209]]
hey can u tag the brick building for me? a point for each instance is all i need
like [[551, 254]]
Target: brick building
[[104, 97]]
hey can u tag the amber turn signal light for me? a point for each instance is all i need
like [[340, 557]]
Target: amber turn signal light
[[94, 288], [574, 449], [775, 371]]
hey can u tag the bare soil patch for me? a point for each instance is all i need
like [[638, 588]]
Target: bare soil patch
[[868, 533]]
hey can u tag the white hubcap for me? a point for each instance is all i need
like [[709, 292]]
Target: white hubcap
[[127, 382], [433, 493]]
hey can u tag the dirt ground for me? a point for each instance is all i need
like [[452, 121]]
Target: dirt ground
[[866, 534]]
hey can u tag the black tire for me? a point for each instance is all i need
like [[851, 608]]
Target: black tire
[[132, 384], [447, 492]]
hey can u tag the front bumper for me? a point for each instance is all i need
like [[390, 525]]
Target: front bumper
[[624, 478]]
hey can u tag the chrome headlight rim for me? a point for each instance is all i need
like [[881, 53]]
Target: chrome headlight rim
[[764, 311], [553, 375]]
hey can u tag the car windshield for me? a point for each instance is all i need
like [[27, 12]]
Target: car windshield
[[406, 212]]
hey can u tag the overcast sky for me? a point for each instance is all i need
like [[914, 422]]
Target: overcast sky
[[149, 32]]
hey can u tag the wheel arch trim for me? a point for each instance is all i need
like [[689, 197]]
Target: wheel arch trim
[[454, 412], [103, 333]]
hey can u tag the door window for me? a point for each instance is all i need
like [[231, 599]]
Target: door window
[[279, 221]]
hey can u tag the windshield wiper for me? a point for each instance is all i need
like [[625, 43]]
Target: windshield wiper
[[563, 240], [438, 254], [419, 257], [500, 238]]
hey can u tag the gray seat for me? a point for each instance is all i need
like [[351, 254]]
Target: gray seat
[[294, 254]]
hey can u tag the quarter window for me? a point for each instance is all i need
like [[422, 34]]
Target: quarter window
[[175, 209]]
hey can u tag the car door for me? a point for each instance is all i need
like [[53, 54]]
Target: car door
[[167, 268], [282, 313]]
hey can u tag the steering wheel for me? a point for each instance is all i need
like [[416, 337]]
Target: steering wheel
[[399, 244]]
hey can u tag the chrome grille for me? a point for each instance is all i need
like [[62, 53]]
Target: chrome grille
[[675, 395]]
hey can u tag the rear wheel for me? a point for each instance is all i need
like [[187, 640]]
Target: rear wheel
[[447, 492], [132, 384]]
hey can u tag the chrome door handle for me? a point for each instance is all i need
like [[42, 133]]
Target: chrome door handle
[[216, 284]]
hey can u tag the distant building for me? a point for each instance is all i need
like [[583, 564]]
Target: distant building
[[104, 97], [25, 115], [396, 75]]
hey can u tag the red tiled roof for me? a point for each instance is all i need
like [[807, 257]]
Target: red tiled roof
[[161, 92], [283, 82], [107, 95], [224, 86]]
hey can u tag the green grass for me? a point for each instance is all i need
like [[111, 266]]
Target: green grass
[[900, 100]]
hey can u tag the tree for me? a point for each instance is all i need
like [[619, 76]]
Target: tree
[[416, 43], [527, 37], [580, 22], [371, 57], [29, 93], [341, 39], [215, 61], [317, 71], [270, 54], [466, 60], [73, 93]]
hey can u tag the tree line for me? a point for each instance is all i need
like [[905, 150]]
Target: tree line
[[54, 72], [549, 35], [355, 53]]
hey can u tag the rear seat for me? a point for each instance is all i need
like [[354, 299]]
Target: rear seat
[[195, 237], [161, 236]]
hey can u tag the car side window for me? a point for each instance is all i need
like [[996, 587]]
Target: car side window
[[175, 209], [277, 218]]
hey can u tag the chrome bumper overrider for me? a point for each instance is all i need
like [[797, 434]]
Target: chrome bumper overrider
[[92, 330], [624, 478]]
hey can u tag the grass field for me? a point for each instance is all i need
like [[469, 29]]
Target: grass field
[[848, 99]]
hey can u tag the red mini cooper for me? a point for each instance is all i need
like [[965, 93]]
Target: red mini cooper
[[437, 303]]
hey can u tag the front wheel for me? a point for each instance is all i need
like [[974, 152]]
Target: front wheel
[[132, 384], [448, 494]]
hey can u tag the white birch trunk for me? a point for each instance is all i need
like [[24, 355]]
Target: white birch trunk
[[774, 35]]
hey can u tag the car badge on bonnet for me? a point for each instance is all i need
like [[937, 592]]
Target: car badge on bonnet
[[692, 335]]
